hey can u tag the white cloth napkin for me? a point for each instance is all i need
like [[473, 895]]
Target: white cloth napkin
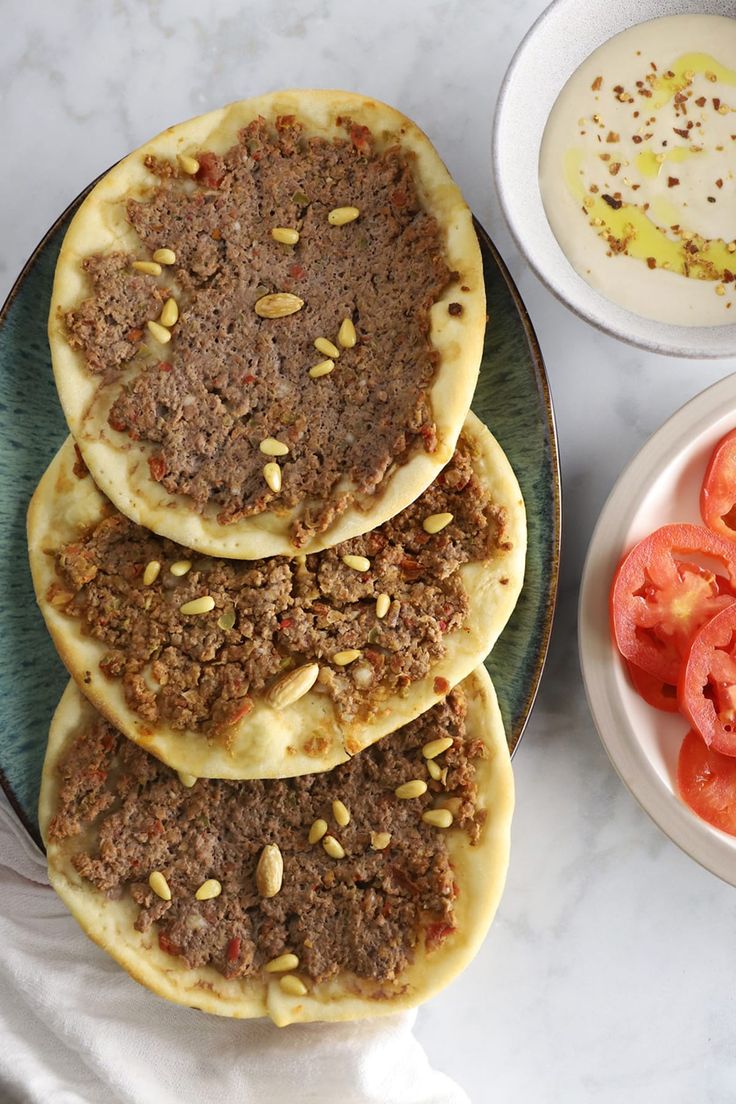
[[75, 1029]]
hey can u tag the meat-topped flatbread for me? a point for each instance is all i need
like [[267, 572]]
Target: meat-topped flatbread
[[278, 667], [327, 897], [267, 323]]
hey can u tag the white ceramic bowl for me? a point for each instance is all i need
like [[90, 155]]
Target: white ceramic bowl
[[660, 485], [565, 34]]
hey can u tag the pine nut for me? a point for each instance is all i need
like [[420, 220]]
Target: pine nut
[[341, 813], [317, 831], [209, 890], [272, 475], [293, 685], [333, 847], [358, 563], [227, 621], [436, 747], [198, 605], [383, 603], [286, 961], [149, 267], [189, 165], [322, 369], [438, 818], [322, 345], [187, 780], [180, 567], [150, 575], [270, 871], [435, 522], [348, 656], [380, 840], [340, 216], [278, 305], [433, 770], [346, 334], [271, 447], [170, 312], [285, 235], [292, 985], [165, 256], [407, 790], [162, 335], [159, 885]]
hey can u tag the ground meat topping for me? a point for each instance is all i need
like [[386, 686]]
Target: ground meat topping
[[363, 913], [269, 616], [234, 378]]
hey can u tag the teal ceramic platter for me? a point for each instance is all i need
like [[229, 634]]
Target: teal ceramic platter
[[512, 398]]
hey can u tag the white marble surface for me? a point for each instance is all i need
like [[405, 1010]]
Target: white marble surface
[[609, 974]]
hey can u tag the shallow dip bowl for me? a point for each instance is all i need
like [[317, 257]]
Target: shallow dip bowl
[[566, 33]]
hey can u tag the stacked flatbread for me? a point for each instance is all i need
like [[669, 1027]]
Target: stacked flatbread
[[273, 557]]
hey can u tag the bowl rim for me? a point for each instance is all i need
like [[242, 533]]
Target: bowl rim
[[559, 277]]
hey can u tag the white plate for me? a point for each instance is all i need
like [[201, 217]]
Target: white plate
[[661, 485]]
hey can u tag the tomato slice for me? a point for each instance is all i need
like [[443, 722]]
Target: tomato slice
[[718, 493], [706, 691], [664, 590], [661, 695], [706, 780]]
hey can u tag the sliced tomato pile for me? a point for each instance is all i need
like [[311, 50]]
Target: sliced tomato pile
[[673, 618]]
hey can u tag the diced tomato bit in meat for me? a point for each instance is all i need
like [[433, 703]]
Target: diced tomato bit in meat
[[249, 379], [233, 949], [297, 271], [216, 234], [442, 625], [441, 686], [411, 568], [283, 122], [286, 622], [437, 933], [242, 710], [360, 137], [399, 197], [167, 946], [164, 366], [429, 434], [114, 423], [211, 170], [134, 335], [157, 467]]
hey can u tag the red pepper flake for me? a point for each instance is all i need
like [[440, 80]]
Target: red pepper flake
[[700, 101], [673, 181], [728, 276], [157, 467], [211, 170], [716, 102], [437, 933], [615, 203], [613, 136], [719, 182], [167, 946], [637, 139], [134, 335], [595, 86], [297, 271], [455, 309], [683, 133], [233, 949], [651, 263], [216, 234], [441, 686]]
